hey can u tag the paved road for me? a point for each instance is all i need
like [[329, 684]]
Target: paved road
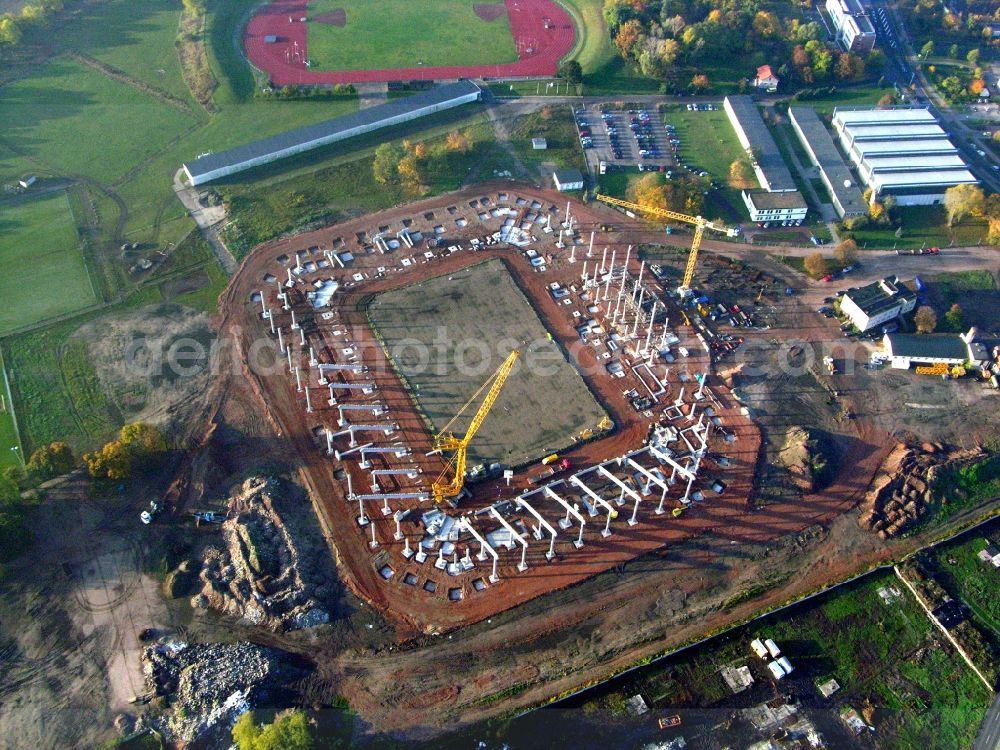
[[989, 732]]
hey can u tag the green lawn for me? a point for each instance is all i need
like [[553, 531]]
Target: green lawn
[[9, 439], [38, 240], [56, 390], [134, 36], [708, 140], [406, 34], [854, 96], [73, 120], [557, 126], [604, 72], [922, 226]]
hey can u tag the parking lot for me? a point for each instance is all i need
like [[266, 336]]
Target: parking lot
[[634, 137]]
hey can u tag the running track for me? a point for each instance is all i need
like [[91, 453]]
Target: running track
[[526, 21]]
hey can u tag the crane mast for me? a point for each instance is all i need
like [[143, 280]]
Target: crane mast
[[447, 441], [700, 225]]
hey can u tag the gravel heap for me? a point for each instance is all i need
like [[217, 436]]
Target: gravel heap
[[208, 686], [258, 574]]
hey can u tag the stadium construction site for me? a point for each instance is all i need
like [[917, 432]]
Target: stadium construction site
[[620, 442]]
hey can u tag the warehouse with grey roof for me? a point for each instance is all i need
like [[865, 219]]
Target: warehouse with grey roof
[[902, 152], [846, 196], [768, 164], [208, 167]]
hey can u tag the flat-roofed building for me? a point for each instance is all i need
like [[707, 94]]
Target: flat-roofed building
[[208, 167], [901, 152], [845, 194], [852, 26], [768, 164], [786, 208], [756, 139], [904, 349], [877, 303]]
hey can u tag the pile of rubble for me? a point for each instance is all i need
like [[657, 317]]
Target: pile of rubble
[[805, 455], [903, 489], [207, 686], [257, 574]]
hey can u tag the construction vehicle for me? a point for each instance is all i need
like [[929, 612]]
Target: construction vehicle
[[700, 225], [548, 471], [445, 440], [588, 432], [677, 512], [669, 722], [551, 458]]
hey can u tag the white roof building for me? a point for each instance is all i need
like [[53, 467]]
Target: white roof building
[[901, 152], [853, 27]]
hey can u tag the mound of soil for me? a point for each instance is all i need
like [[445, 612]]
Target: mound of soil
[[489, 11], [336, 18], [807, 458]]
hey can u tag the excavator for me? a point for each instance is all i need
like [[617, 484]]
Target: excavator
[[700, 225], [444, 489]]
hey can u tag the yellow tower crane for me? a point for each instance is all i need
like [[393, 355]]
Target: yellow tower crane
[[700, 225], [446, 440]]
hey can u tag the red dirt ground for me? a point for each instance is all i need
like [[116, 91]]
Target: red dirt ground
[[336, 18], [359, 564], [527, 21]]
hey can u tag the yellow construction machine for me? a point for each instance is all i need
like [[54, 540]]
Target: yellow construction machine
[[445, 440], [700, 225]]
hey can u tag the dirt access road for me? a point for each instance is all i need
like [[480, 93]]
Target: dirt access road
[[70, 615]]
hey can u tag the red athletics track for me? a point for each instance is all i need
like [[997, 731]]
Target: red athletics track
[[526, 22]]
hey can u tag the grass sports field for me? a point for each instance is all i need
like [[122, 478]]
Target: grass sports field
[[435, 327], [361, 35], [38, 239]]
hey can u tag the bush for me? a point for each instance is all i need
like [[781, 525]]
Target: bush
[[137, 444], [52, 460]]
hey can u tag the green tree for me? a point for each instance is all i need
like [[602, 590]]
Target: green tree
[[141, 440], [953, 52], [50, 460], [385, 166], [571, 72], [289, 732], [10, 32], [963, 200], [955, 318], [928, 49], [973, 57]]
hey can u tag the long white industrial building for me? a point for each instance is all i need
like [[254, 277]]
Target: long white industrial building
[[210, 167], [901, 152]]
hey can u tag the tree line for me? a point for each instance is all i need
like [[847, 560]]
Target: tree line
[[137, 446], [35, 15], [662, 36]]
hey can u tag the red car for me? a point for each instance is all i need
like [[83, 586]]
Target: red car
[[827, 279]]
